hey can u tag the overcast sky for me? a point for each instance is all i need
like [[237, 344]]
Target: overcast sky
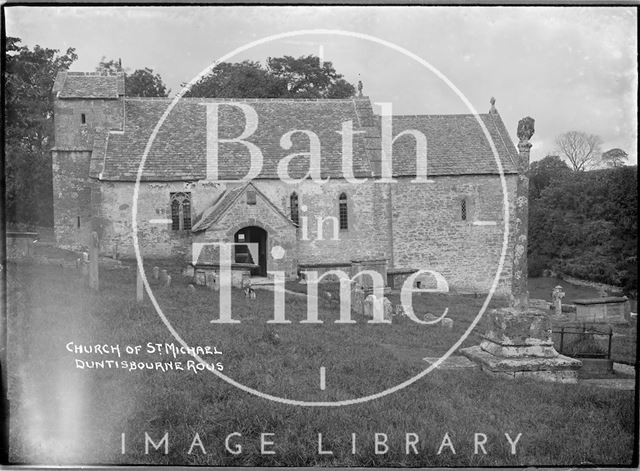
[[570, 68]]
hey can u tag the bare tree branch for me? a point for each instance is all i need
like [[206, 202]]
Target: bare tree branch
[[582, 150]]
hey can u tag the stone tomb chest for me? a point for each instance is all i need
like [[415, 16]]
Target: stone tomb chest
[[609, 309]]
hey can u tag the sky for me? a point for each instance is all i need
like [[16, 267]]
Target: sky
[[569, 68]]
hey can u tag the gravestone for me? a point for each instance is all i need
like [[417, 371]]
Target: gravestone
[[163, 276], [156, 273], [447, 323], [210, 280], [369, 302], [387, 307], [518, 341], [556, 298], [167, 281]]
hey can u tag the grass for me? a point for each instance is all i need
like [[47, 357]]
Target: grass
[[64, 415]]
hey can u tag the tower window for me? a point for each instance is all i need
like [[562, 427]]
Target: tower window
[[463, 209], [294, 207], [344, 216], [83, 118], [251, 197], [180, 211]]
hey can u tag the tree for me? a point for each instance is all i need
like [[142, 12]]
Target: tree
[[543, 172], [306, 77], [142, 82], [109, 66], [246, 79], [28, 80], [582, 150], [615, 157], [283, 77]]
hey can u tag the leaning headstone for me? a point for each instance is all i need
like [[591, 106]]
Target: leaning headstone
[[167, 281], [156, 273], [556, 298]]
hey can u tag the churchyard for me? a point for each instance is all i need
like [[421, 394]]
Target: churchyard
[[85, 409]]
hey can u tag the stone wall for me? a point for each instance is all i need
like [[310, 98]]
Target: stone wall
[[156, 240], [429, 233], [72, 189], [71, 133], [367, 234]]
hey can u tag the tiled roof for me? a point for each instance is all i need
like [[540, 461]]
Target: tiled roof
[[89, 85], [179, 149], [456, 145], [215, 211], [226, 200]]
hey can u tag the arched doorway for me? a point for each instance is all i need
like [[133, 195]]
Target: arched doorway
[[248, 253]]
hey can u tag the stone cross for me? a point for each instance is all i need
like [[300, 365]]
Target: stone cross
[[94, 282], [520, 220], [556, 297]]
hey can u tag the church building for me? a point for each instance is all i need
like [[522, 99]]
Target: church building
[[307, 184]]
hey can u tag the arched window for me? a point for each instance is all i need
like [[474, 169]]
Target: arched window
[[181, 211], [344, 214], [294, 207], [463, 209]]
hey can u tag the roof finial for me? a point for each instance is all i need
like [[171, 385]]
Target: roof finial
[[493, 105], [359, 88]]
